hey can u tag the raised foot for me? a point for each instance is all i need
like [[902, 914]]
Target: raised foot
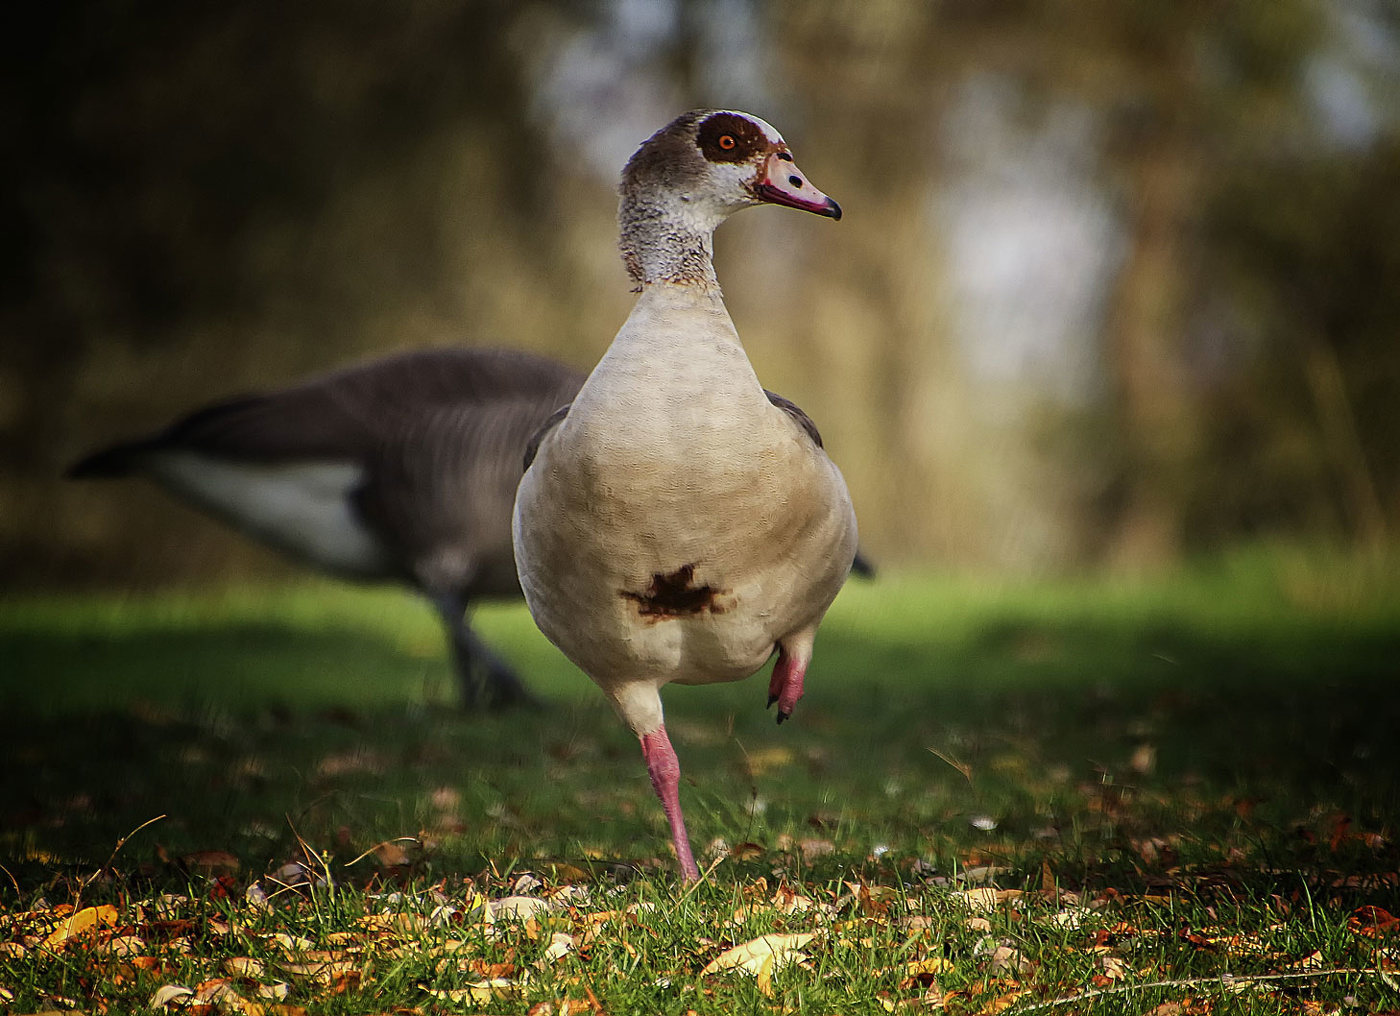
[[785, 686]]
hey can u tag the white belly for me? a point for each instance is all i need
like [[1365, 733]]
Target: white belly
[[303, 509], [676, 525]]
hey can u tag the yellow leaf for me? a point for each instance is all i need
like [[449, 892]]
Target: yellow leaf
[[764, 975], [986, 898], [478, 991], [932, 965], [749, 956], [1312, 961], [761, 760], [85, 920]]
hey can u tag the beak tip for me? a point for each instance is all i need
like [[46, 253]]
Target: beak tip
[[834, 210]]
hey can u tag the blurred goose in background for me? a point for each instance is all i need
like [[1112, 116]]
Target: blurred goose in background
[[400, 469], [677, 522]]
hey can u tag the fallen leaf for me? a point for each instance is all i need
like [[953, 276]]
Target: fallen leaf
[[243, 966], [81, 922], [761, 760], [121, 945], [391, 855], [169, 993], [560, 945], [480, 991], [1144, 759], [566, 1007], [212, 862], [746, 851], [987, 898], [932, 965], [323, 972], [1372, 921], [1002, 1002], [291, 944], [750, 956], [1114, 968], [1006, 959], [515, 908]]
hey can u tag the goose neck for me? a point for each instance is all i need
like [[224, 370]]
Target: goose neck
[[663, 241]]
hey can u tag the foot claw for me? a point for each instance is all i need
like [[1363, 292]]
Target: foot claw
[[782, 716], [772, 697]]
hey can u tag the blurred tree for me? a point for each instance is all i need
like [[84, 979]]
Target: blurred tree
[[214, 199]]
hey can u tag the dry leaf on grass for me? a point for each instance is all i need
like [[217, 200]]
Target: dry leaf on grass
[[244, 966], [560, 945], [750, 956], [514, 908], [1114, 969], [1005, 959], [169, 993], [84, 922], [566, 1007], [932, 965], [212, 862], [987, 898], [121, 946], [323, 972], [479, 991]]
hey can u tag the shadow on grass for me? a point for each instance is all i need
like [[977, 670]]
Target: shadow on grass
[[1015, 738]]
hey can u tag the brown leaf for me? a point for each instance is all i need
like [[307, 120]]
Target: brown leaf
[[566, 1007], [390, 854], [212, 862], [1372, 921], [746, 851]]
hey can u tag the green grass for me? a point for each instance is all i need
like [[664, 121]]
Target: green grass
[[1206, 755]]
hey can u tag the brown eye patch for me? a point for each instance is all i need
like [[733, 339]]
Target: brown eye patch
[[725, 137]]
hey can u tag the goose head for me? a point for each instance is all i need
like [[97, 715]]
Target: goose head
[[694, 173]]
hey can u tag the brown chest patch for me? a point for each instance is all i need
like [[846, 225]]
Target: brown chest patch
[[675, 595]]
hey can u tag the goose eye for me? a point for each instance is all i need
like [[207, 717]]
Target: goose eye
[[727, 142]]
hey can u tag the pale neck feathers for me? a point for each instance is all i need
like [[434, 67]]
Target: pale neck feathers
[[664, 240]]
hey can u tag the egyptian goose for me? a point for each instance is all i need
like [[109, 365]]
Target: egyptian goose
[[403, 469], [677, 522]]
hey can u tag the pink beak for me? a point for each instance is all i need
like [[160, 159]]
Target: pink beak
[[782, 183]]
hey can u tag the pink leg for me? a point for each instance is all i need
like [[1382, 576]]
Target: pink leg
[[785, 686], [665, 770]]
